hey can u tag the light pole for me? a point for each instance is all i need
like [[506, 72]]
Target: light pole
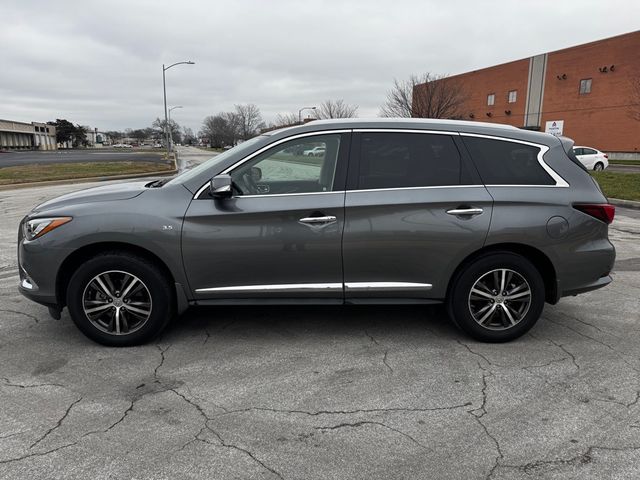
[[300, 112], [164, 89], [169, 126]]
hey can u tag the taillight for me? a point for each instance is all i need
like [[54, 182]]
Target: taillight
[[606, 156], [601, 211]]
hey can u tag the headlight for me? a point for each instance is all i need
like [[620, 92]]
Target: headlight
[[37, 227]]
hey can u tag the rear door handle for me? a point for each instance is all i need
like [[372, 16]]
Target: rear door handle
[[318, 220], [465, 211]]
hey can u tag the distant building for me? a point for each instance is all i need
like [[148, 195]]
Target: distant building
[[95, 138], [27, 136], [583, 92]]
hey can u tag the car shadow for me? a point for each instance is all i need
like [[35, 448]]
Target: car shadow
[[298, 321]]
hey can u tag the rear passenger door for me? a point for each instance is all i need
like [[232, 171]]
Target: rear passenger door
[[414, 209]]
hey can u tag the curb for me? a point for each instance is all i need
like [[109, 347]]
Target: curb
[[624, 203], [71, 181]]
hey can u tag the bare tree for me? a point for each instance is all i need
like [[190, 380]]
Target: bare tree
[[221, 130], [425, 96], [336, 109], [249, 120], [283, 120]]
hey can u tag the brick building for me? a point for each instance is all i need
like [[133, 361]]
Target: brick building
[[587, 90]]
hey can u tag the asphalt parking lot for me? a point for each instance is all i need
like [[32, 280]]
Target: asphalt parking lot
[[14, 159], [323, 393]]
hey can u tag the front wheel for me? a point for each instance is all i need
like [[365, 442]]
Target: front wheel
[[118, 299], [497, 298]]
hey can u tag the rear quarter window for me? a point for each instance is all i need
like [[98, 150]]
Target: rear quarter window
[[502, 162]]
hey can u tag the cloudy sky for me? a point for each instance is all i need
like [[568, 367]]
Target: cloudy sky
[[99, 63]]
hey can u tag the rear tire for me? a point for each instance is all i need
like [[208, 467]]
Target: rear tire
[[598, 167], [478, 307], [119, 299]]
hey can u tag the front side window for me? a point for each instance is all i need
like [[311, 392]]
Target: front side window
[[491, 99], [303, 165], [513, 96], [585, 86], [398, 160], [503, 162]]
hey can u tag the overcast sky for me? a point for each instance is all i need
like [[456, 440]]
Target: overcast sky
[[99, 63]]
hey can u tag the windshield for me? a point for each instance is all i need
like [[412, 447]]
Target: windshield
[[194, 172]]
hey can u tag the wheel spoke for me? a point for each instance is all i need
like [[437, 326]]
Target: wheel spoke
[[503, 278], [103, 287], [138, 310], [117, 321], [488, 314], [526, 293], [481, 293], [100, 308], [134, 280], [507, 312], [517, 289]]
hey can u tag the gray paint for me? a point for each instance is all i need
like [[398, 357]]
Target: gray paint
[[379, 236]]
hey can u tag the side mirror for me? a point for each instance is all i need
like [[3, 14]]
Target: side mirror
[[221, 186]]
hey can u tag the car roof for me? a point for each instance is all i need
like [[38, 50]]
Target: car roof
[[463, 126]]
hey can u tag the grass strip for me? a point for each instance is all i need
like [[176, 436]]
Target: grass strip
[[65, 171]]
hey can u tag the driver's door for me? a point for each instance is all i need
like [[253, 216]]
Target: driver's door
[[279, 235]]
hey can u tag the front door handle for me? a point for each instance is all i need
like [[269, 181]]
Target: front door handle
[[318, 220], [465, 211]]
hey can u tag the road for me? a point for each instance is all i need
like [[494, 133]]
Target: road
[[624, 168], [13, 159], [323, 392]]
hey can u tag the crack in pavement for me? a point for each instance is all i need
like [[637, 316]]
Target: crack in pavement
[[380, 424], [579, 459], [9, 383], [28, 315], [386, 352], [223, 442], [477, 354], [58, 423], [345, 412]]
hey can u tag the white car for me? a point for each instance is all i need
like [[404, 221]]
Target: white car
[[591, 158], [314, 152]]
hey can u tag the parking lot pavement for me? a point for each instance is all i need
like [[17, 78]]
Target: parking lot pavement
[[323, 393], [14, 159]]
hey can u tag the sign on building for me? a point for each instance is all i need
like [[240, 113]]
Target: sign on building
[[554, 127]]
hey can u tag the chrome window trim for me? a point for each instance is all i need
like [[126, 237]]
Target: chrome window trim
[[404, 130], [286, 287], [264, 149], [560, 182], [359, 286], [362, 190]]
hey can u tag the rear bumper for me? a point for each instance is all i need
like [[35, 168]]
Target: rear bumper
[[599, 283]]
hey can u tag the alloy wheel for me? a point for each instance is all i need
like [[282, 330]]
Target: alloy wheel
[[499, 299], [117, 302]]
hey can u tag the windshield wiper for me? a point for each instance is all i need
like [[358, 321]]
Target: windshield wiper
[[157, 183]]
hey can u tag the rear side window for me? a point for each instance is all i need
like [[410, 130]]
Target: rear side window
[[397, 160], [502, 162]]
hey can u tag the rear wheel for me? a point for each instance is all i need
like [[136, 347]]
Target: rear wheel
[[498, 297], [119, 299], [598, 167]]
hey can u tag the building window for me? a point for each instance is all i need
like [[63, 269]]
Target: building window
[[585, 86], [513, 95], [491, 99]]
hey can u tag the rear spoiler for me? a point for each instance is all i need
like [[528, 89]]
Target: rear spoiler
[[567, 144]]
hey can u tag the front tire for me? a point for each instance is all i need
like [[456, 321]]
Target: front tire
[[119, 299], [497, 298]]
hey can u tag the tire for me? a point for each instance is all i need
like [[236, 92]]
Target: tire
[[598, 167], [497, 318], [95, 286]]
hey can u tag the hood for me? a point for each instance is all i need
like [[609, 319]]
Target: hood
[[106, 193]]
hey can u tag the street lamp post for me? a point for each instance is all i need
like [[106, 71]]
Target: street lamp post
[[300, 112], [169, 126], [164, 89]]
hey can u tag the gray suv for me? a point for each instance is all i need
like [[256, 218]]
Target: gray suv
[[491, 220]]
